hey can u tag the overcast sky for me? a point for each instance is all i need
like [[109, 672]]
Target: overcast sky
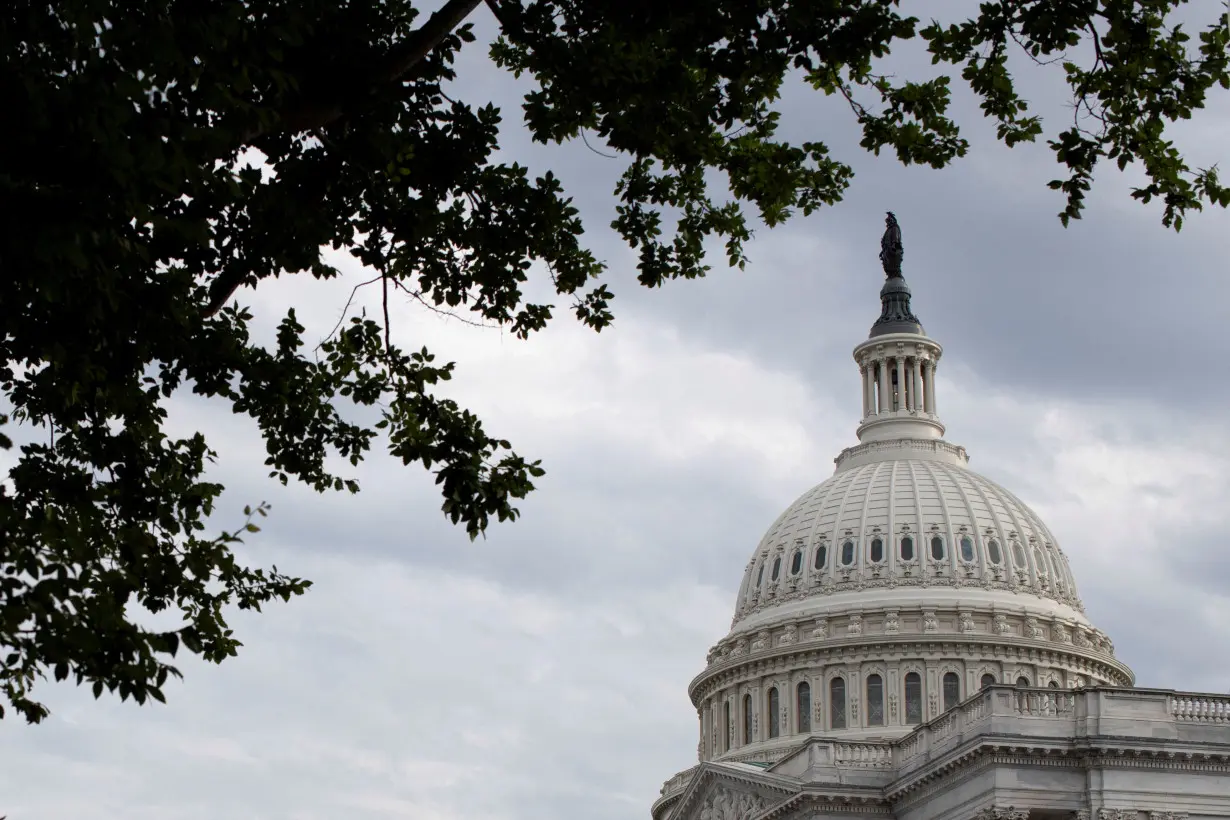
[[541, 673]]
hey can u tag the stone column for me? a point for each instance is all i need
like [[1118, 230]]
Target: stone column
[[900, 382], [930, 386], [885, 387], [915, 383], [862, 372]]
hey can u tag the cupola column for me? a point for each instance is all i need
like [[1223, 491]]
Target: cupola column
[[864, 373], [885, 387], [915, 384], [930, 386], [900, 384]]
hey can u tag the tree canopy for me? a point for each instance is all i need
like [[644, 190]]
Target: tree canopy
[[137, 219]]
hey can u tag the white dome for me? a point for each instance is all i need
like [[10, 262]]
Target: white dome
[[903, 522]]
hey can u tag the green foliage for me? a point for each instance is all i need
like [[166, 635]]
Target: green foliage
[[134, 219]]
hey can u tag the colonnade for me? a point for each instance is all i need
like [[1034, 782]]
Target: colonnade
[[896, 383]]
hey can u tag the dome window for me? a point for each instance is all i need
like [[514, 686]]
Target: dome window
[[952, 690], [993, 551], [1018, 552], [877, 550], [875, 700], [822, 556], [937, 548], [847, 553], [907, 548], [913, 699], [777, 568], [796, 563], [1053, 685], [760, 575], [967, 549], [1022, 681], [837, 703], [747, 718], [775, 709], [803, 709], [1040, 561], [987, 680]]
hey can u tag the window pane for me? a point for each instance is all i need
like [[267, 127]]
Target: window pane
[[875, 700], [777, 568], [987, 680], [967, 549], [847, 553], [804, 707], [759, 575], [993, 551], [747, 718], [726, 738], [822, 556], [1040, 562], [877, 550], [1018, 552], [907, 549], [1022, 681], [937, 548], [952, 690], [775, 708], [837, 703], [796, 563], [1053, 684], [913, 698]]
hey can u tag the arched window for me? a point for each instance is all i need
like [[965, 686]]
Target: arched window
[[747, 718], [727, 737], [1039, 561], [777, 568], [993, 551], [796, 563], [822, 556], [837, 703], [913, 698], [847, 553], [877, 550], [875, 700], [1053, 684], [967, 549], [759, 576], [1018, 552], [775, 713], [952, 690], [1022, 681], [907, 548], [937, 548], [803, 706], [987, 680]]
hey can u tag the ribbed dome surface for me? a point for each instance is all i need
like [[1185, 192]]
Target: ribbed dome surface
[[904, 522]]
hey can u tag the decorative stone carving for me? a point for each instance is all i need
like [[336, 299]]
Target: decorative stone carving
[[1034, 629], [966, 621], [1002, 627], [1081, 639], [892, 624], [762, 641], [999, 813], [930, 622], [854, 708], [856, 625], [1167, 815], [789, 637], [892, 707], [821, 630], [1117, 814], [727, 804], [1060, 632], [740, 648]]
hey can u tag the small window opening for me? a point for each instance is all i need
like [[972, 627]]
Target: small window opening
[[937, 548], [907, 548], [877, 550]]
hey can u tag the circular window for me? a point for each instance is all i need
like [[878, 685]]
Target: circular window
[[907, 548], [937, 548], [877, 550], [796, 563], [847, 553], [967, 549], [993, 551]]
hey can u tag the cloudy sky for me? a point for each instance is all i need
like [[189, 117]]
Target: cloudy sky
[[541, 673]]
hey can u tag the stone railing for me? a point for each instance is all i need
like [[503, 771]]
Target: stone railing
[[679, 782], [863, 755], [1199, 708]]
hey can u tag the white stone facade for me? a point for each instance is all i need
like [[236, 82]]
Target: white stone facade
[[908, 642]]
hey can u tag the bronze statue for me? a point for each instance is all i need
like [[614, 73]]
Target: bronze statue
[[891, 250]]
